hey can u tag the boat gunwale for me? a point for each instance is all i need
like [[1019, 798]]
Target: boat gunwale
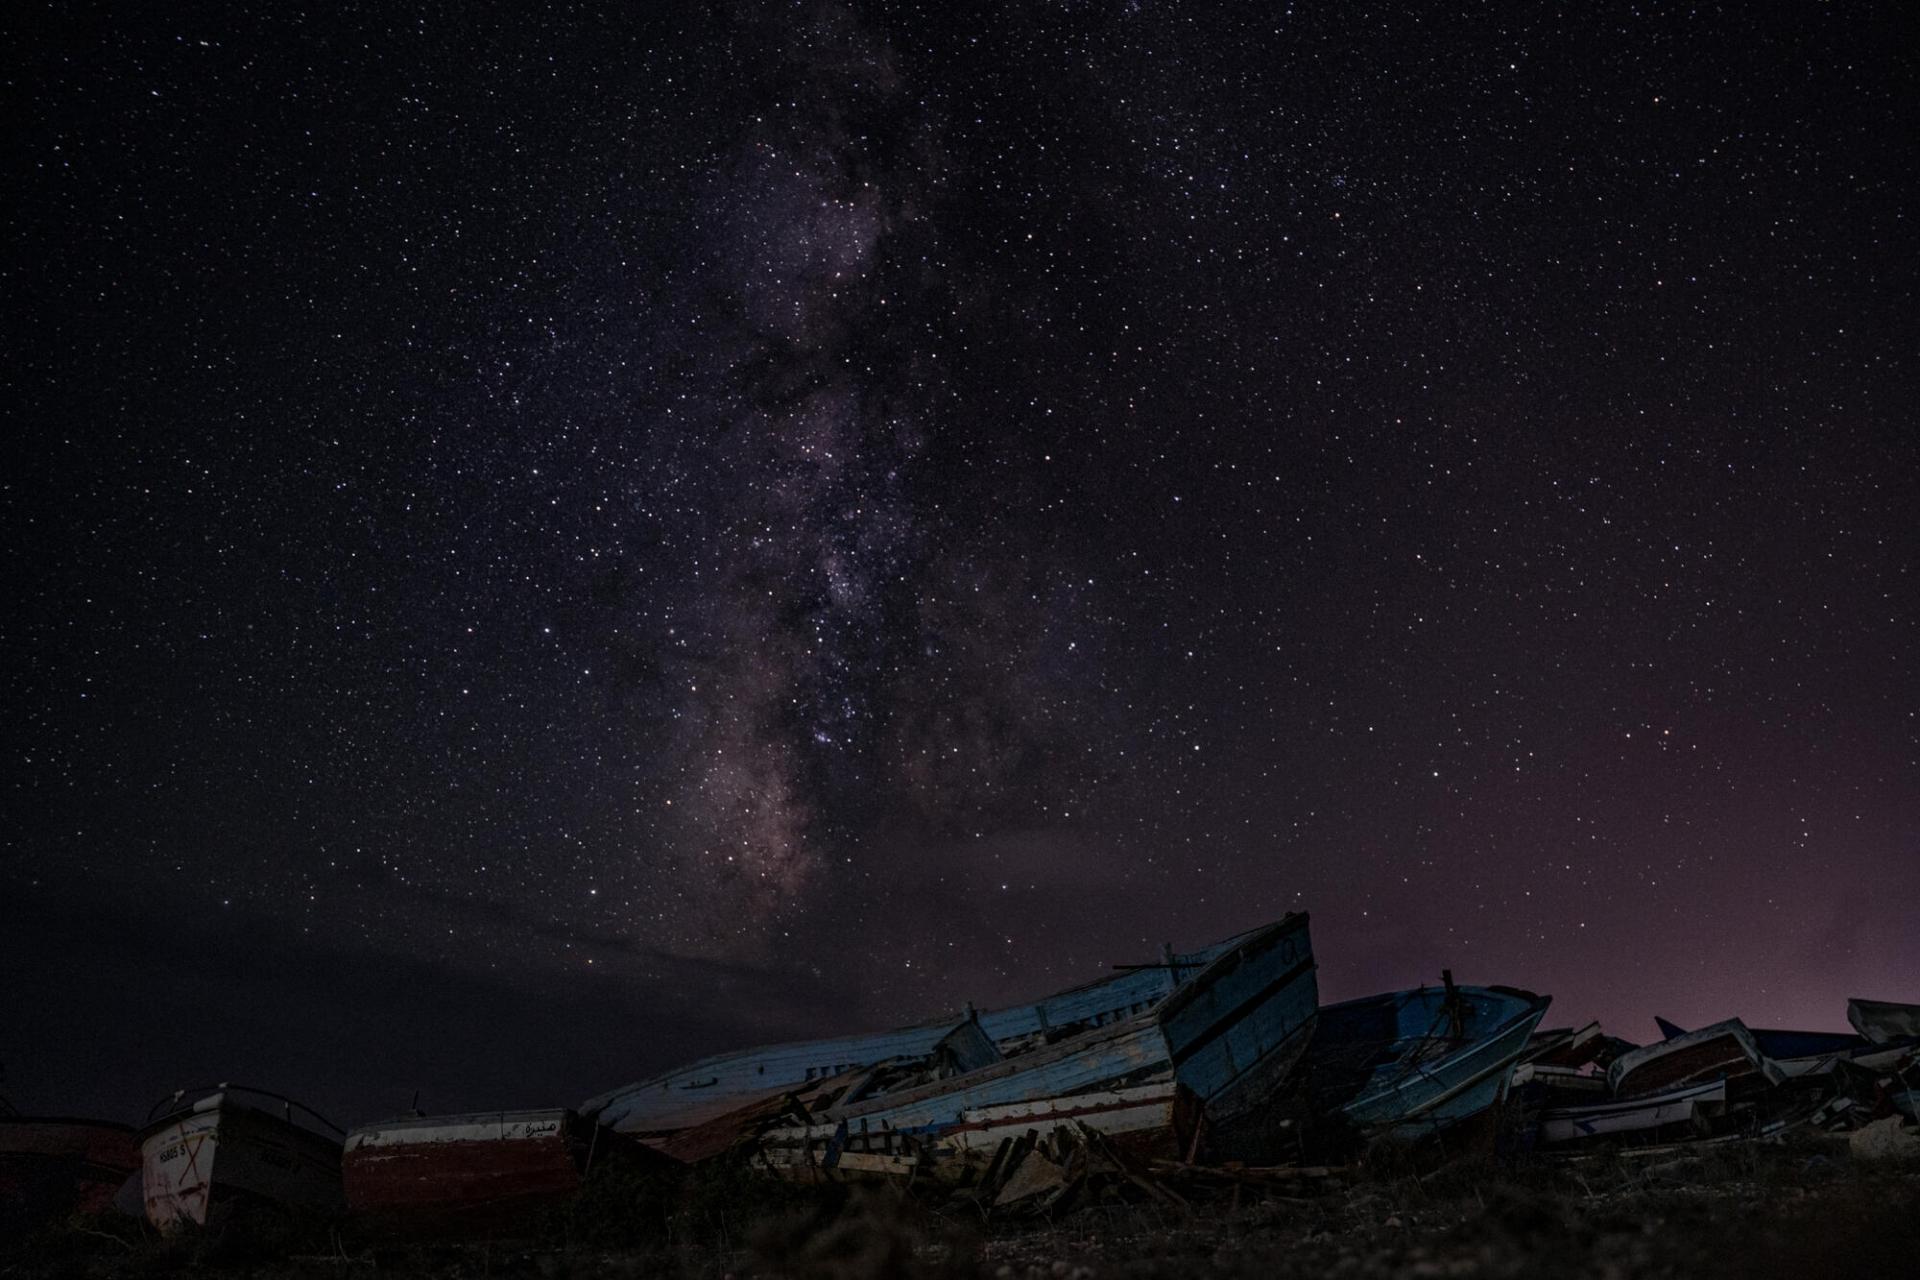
[[222, 1096]]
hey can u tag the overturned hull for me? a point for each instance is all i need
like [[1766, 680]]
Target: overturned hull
[[1210, 1055], [235, 1146], [54, 1166], [1723, 1051], [464, 1172], [713, 1087]]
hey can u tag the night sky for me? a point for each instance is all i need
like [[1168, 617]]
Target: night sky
[[539, 545]]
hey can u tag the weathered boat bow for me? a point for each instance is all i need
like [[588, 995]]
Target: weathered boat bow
[[229, 1143]]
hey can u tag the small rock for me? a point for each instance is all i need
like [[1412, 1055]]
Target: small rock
[[1888, 1139], [1394, 1222]]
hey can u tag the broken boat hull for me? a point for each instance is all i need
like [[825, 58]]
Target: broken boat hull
[[1415, 1063], [1884, 1021], [1689, 1105], [1723, 1051], [714, 1087], [1217, 1049]]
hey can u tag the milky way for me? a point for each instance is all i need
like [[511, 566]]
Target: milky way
[[635, 532], [840, 654]]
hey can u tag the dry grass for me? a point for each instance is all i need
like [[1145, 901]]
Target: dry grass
[[1769, 1211]]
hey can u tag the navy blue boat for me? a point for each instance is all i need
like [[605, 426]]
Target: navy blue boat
[[1411, 1064]]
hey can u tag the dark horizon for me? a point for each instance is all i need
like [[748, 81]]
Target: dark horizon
[[543, 546]]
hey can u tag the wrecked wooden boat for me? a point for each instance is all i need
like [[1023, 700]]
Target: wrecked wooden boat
[[233, 1145], [52, 1166], [1655, 1117], [1411, 1064], [713, 1087], [458, 1173], [1723, 1051], [1809, 1053], [1570, 1047], [1884, 1021], [1206, 1058], [1799, 1053], [1558, 1086], [1806, 1053]]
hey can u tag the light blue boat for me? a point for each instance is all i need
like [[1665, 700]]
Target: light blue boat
[[1414, 1063], [714, 1086], [1219, 1047]]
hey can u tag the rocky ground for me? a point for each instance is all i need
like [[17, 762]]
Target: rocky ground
[[1802, 1210]]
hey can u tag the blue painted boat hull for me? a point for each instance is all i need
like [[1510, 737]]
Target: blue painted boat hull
[[1232, 1031], [715, 1086], [1412, 1064], [1216, 1051]]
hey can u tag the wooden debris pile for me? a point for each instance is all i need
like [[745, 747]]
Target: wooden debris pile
[[1072, 1166]]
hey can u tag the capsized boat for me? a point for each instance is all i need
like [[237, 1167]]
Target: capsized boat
[[1207, 1058], [1800, 1053], [52, 1166], [1411, 1064], [1722, 1051], [716, 1086], [233, 1144], [476, 1171], [1653, 1116]]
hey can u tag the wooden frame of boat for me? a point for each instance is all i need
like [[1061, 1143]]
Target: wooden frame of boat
[[233, 1143]]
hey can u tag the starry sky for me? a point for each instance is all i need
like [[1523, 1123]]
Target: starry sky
[[542, 541]]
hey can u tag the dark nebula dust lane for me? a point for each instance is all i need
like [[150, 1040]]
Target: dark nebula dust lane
[[616, 534]]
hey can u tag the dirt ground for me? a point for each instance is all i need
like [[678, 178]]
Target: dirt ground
[[1804, 1211]]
